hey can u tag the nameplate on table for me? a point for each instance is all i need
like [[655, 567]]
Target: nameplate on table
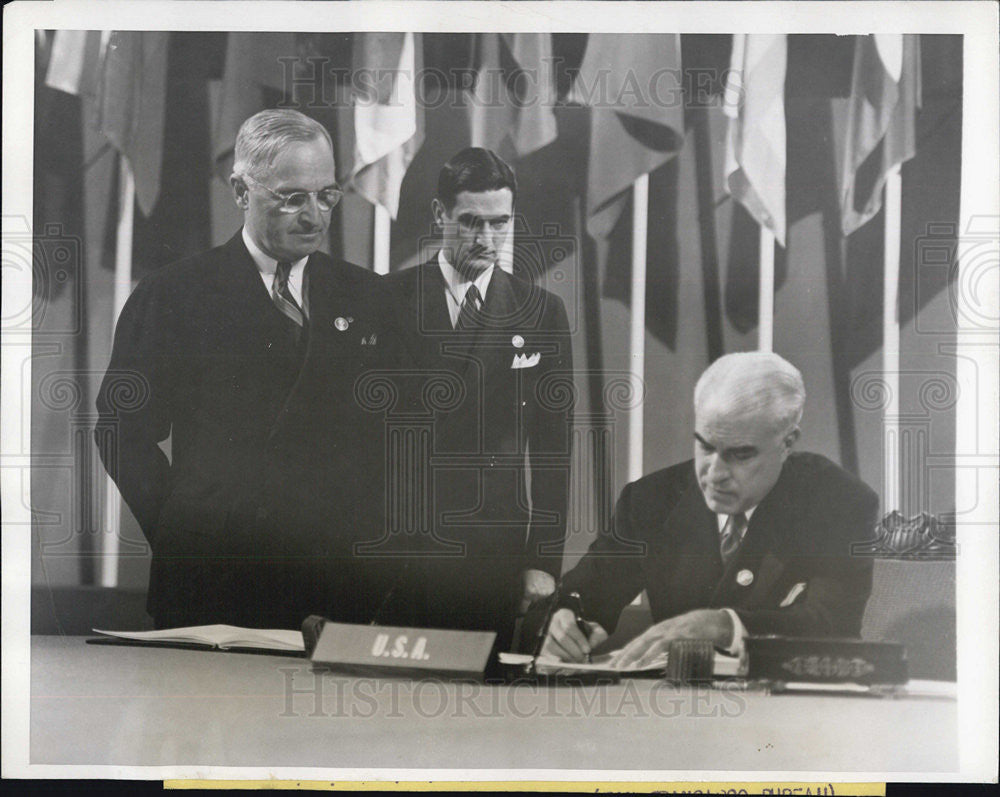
[[390, 650], [825, 661]]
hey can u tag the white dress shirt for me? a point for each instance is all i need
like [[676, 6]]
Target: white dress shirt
[[456, 286], [739, 630], [267, 266]]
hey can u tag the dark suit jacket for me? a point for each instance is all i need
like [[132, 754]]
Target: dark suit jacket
[[665, 540], [274, 468], [483, 414]]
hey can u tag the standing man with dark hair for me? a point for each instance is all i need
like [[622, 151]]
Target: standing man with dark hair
[[245, 357], [495, 545]]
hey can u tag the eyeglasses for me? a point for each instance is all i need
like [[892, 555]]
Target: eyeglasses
[[326, 198]]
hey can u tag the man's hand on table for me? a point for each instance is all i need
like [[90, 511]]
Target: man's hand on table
[[715, 625]]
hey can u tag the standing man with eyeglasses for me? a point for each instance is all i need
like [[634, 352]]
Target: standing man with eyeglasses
[[245, 358], [493, 356]]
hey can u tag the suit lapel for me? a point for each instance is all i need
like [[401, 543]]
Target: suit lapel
[[327, 294], [489, 342], [319, 289], [242, 301], [459, 348], [433, 306], [328, 299], [693, 559], [239, 278], [499, 302], [338, 317], [429, 331]]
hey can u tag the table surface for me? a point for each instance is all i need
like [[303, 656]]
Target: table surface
[[100, 704]]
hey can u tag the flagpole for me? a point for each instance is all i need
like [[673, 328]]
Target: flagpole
[[765, 291], [890, 338], [123, 287], [381, 239], [637, 339]]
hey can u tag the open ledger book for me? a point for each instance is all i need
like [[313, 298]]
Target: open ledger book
[[219, 637], [723, 666]]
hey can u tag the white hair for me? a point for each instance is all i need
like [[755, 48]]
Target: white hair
[[266, 133], [754, 382]]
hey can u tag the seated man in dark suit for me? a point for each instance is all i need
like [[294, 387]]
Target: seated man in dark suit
[[246, 357], [748, 538]]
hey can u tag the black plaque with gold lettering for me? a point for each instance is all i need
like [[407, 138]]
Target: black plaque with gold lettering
[[828, 661]]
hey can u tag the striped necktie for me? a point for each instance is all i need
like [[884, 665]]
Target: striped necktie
[[732, 537], [469, 313], [281, 294]]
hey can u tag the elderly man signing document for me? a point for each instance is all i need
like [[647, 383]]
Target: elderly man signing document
[[749, 537]]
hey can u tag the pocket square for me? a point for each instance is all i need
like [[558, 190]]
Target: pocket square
[[793, 594], [525, 360]]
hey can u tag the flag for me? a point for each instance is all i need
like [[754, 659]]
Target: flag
[[131, 101], [181, 223], [253, 79], [928, 253], [663, 263], [71, 60], [63, 61], [632, 84], [388, 120], [75, 68], [885, 95], [754, 102], [511, 104]]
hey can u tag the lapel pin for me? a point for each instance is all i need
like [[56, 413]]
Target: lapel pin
[[517, 341], [744, 578], [341, 323]]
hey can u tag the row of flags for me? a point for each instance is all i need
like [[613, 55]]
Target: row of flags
[[126, 81], [124, 72], [885, 95], [514, 92]]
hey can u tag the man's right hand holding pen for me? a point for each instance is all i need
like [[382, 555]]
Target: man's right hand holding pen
[[571, 638]]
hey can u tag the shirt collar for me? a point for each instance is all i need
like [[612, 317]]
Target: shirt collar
[[458, 285], [722, 519], [265, 263]]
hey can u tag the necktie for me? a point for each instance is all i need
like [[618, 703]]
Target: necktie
[[468, 314], [281, 294], [732, 536]]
